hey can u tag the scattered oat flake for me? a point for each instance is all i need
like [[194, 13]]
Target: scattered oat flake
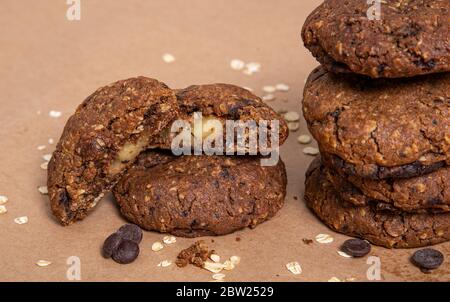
[[213, 267], [269, 89], [51, 141], [21, 220], [282, 87], [310, 151], [268, 98], [54, 113], [168, 58], [324, 238], [164, 263], [157, 246], [43, 263], [293, 126], [343, 254], [3, 199], [218, 276], [304, 139], [3, 209], [43, 190], [41, 147], [334, 279], [44, 165], [215, 258], [237, 64], [169, 239], [291, 116], [294, 267], [235, 260], [47, 157], [228, 265]]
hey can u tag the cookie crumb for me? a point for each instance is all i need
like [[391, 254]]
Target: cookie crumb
[[307, 241], [196, 254], [44, 165], [238, 239]]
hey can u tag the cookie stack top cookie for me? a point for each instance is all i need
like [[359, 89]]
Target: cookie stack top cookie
[[409, 39]]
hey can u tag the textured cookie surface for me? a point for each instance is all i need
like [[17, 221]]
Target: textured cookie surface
[[385, 228], [411, 38], [380, 128], [102, 138], [222, 102], [194, 196], [426, 193]]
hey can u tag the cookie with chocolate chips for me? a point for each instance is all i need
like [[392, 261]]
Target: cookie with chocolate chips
[[102, 139], [380, 128], [219, 103], [409, 38], [192, 196], [385, 228]]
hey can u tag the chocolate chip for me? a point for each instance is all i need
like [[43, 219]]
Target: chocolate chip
[[427, 258], [131, 232], [111, 244], [356, 247], [126, 252]]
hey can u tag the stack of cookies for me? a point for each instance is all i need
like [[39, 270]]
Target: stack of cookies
[[121, 139], [379, 108]]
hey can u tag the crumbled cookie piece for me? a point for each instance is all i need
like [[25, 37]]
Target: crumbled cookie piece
[[197, 254]]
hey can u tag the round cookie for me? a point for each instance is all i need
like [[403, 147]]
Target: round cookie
[[221, 103], [192, 196], [385, 228], [101, 140], [411, 38], [380, 128], [421, 194]]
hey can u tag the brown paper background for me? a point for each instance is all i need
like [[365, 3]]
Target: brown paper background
[[48, 63]]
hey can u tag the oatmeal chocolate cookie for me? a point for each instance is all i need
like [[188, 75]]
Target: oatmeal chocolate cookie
[[219, 103], [411, 37], [380, 128], [194, 196], [385, 228], [426, 193], [102, 139]]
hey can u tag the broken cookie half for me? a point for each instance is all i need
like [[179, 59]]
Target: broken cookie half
[[102, 139]]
